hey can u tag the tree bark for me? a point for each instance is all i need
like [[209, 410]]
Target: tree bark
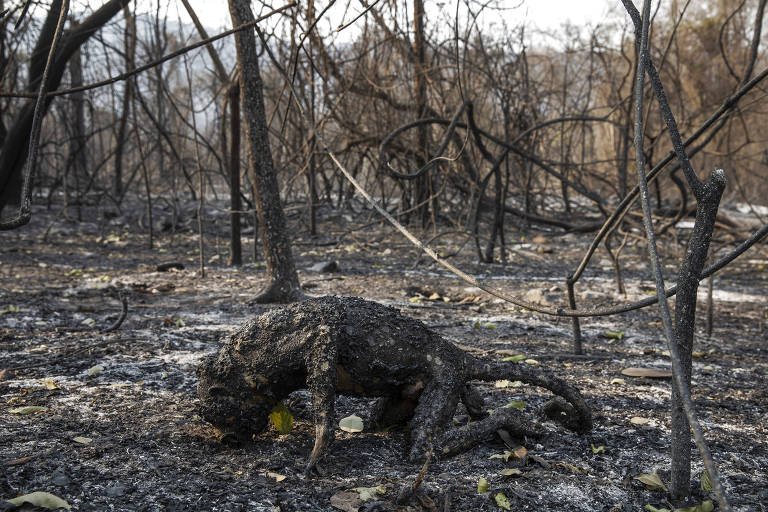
[[685, 323], [235, 244], [281, 271]]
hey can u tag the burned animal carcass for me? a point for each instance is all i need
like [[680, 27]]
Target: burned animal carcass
[[347, 345]]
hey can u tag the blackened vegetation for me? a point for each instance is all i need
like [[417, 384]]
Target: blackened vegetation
[[352, 346]]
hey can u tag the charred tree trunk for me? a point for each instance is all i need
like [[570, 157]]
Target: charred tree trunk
[[130, 44], [235, 245], [281, 270], [422, 185], [14, 150]]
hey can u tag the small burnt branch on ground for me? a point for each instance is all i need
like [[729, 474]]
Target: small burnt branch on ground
[[356, 347]]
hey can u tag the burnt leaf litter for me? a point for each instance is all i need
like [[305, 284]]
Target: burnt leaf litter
[[108, 420]]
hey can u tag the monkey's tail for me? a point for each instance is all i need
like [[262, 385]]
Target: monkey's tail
[[575, 414]]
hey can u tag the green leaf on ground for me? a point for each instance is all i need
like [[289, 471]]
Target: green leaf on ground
[[510, 472], [517, 404], [515, 359], [706, 481], [502, 501], [482, 485], [706, 506], [281, 419], [614, 335], [651, 508], [597, 449]]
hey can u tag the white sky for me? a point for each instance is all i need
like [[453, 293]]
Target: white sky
[[544, 14]]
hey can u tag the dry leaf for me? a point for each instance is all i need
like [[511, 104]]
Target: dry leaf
[[41, 499], [652, 481], [639, 420], [346, 501], [28, 409], [653, 373]]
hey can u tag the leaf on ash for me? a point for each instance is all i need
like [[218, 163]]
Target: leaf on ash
[[369, 493], [520, 452], [82, 440], [49, 383], [346, 501], [651, 508], [597, 449], [351, 424], [276, 476], [614, 335], [93, 370], [510, 472], [531, 361], [639, 420], [10, 308], [653, 373], [706, 506], [618, 382], [652, 481], [281, 419], [41, 499], [28, 409], [517, 404], [90, 322], [706, 481], [482, 485], [515, 359], [506, 455], [502, 501]]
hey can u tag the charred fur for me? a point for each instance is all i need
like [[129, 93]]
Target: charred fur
[[351, 346]]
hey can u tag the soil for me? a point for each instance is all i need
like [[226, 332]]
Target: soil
[[119, 429]]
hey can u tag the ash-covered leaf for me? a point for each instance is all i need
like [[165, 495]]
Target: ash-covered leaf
[[41, 499], [369, 493], [652, 481], [351, 424], [281, 419], [82, 440], [28, 409], [93, 370], [510, 472]]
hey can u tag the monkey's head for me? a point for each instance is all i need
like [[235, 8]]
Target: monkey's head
[[237, 405]]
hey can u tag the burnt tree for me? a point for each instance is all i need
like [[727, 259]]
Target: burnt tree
[[281, 270]]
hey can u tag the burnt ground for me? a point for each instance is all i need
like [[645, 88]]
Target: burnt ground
[[148, 450]]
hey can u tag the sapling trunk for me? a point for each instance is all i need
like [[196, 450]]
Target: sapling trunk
[[685, 323]]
